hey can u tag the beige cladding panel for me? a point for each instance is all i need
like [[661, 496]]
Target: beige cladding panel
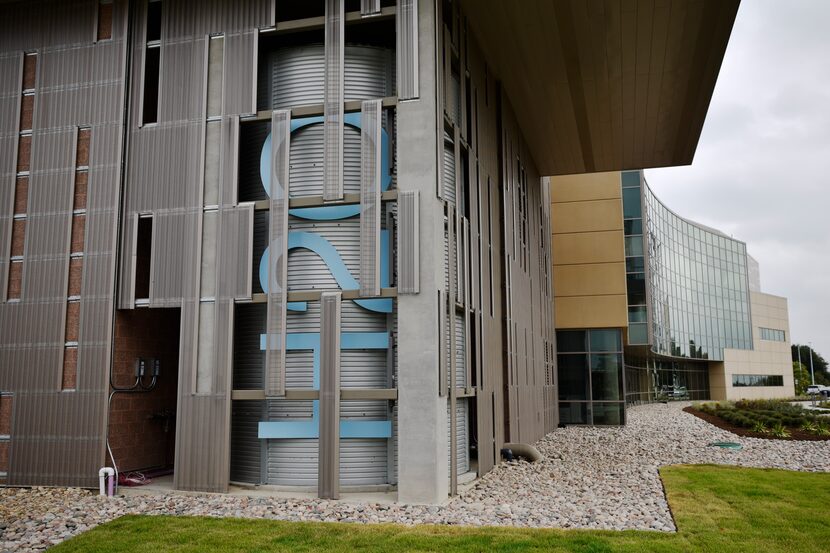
[[588, 247], [587, 216], [577, 188], [596, 279], [591, 312]]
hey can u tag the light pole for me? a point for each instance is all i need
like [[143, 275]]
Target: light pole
[[812, 374]]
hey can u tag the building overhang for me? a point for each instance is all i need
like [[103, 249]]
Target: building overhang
[[606, 85]]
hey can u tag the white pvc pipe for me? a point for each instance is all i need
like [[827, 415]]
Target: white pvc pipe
[[102, 479]]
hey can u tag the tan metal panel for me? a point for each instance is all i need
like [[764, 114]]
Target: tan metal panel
[[328, 485], [370, 205], [278, 254], [333, 102]]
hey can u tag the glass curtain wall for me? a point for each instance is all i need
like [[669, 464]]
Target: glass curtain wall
[[635, 266], [698, 286], [651, 378], [590, 365]]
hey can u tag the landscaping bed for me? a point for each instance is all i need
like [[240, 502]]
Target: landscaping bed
[[764, 418]]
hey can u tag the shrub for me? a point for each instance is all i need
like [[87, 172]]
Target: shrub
[[822, 428], [760, 427], [779, 431], [809, 426]]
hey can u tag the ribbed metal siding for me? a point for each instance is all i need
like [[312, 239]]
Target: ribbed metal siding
[[462, 451], [246, 448], [58, 437], [11, 65], [297, 74], [448, 170], [186, 18], [306, 168], [240, 72]]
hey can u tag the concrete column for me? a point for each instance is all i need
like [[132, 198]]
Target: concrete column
[[422, 414]]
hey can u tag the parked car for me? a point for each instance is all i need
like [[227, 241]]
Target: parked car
[[818, 390]]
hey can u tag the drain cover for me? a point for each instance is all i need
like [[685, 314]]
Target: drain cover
[[726, 445]]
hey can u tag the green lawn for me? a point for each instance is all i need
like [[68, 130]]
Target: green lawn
[[716, 508]]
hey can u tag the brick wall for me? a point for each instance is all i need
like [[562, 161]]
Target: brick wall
[[139, 441]]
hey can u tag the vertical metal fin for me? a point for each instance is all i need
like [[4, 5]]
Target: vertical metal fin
[[278, 255], [126, 292], [409, 281], [328, 484], [229, 169], [333, 102], [407, 49], [442, 343], [369, 7], [370, 205]]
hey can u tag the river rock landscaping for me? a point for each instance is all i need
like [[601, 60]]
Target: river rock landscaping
[[598, 478]]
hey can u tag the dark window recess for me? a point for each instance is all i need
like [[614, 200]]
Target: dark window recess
[[636, 285], [105, 20], [288, 10], [468, 97], [153, 21], [143, 251], [151, 86], [465, 183]]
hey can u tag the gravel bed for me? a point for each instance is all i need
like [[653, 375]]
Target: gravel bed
[[600, 478]]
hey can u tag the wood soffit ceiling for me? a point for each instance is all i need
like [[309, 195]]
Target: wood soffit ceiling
[[606, 85]]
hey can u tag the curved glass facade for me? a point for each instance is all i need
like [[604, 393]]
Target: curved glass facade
[[698, 288]]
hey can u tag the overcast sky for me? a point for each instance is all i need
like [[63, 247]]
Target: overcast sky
[[762, 168]]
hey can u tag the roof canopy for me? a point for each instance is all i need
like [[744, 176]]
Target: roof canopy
[[606, 85]]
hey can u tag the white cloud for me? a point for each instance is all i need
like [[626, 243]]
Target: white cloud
[[762, 168]]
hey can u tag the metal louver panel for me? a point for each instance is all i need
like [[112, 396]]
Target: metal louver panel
[[333, 102], [229, 162], [241, 72], [329, 462], [370, 206], [181, 84], [278, 252], [407, 49], [369, 7], [236, 225], [409, 253], [175, 256]]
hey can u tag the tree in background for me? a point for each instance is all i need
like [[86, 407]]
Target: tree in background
[[819, 363], [801, 377]]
